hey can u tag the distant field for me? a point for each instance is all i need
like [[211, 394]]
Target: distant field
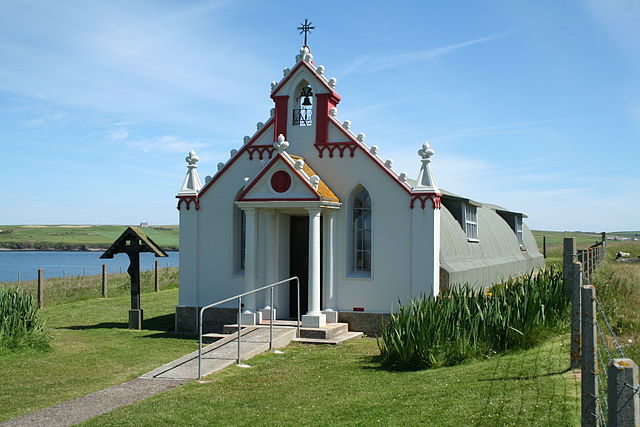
[[584, 240], [77, 237]]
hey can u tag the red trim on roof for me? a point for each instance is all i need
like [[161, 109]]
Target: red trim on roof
[[317, 199], [237, 156], [371, 156], [278, 156], [293, 71], [187, 200]]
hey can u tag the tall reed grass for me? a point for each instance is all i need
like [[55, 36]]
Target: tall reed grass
[[464, 323], [20, 323]]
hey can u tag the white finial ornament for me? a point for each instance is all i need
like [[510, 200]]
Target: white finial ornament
[[315, 181], [299, 164], [274, 84], [220, 166], [191, 183], [233, 152], [361, 137], [374, 150], [425, 176], [285, 71], [333, 82], [281, 145], [246, 139], [246, 181], [259, 125], [320, 69], [272, 112], [389, 163], [192, 159], [403, 176], [207, 179], [347, 124], [426, 152], [333, 112]]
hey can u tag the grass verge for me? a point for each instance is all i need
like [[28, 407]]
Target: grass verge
[[324, 385], [91, 349], [61, 290]]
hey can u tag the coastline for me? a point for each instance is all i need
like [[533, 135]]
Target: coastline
[[71, 248]]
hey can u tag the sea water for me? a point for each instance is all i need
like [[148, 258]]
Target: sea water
[[23, 265]]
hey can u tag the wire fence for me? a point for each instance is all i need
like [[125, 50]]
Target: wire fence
[[61, 290], [596, 348]]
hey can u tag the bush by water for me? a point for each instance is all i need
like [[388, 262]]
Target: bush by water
[[464, 323], [20, 323]]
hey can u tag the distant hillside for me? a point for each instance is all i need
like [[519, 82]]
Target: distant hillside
[[78, 237]]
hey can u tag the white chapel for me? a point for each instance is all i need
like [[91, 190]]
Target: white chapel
[[306, 196]]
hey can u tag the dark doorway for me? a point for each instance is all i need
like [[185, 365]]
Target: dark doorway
[[299, 264]]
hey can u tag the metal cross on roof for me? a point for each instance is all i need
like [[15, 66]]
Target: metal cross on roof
[[305, 28]]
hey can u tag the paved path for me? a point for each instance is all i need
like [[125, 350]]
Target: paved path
[[216, 357], [94, 404]]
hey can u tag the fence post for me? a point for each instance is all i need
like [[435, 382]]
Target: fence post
[[40, 289], [568, 257], [623, 397], [590, 410], [156, 278], [576, 313], [544, 246], [104, 280]]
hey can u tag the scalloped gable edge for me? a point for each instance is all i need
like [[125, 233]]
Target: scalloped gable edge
[[375, 159], [295, 69], [276, 158], [253, 139]]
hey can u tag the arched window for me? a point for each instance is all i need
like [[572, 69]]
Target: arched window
[[239, 238], [361, 233]]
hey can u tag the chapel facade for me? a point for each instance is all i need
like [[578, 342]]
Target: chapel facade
[[306, 196]]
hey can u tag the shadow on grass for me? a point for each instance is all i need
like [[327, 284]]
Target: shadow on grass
[[165, 323], [374, 363], [527, 377]]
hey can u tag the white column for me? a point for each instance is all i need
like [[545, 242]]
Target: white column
[[330, 309], [314, 317], [251, 246], [270, 260]]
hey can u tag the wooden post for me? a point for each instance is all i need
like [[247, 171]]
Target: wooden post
[[623, 396], [590, 409], [104, 280], [568, 257], [544, 246], [40, 289], [576, 312], [156, 274], [135, 313]]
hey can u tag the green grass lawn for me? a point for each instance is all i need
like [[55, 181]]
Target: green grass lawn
[[91, 349], [74, 236], [323, 385]]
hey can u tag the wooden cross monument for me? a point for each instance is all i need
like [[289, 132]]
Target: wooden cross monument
[[132, 242]]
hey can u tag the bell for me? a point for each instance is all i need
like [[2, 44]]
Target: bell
[[306, 101]]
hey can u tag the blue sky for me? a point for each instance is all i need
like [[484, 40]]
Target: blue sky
[[532, 105]]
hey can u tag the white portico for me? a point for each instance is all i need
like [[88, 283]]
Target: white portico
[[287, 186]]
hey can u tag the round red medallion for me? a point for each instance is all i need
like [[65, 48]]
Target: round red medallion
[[280, 181]]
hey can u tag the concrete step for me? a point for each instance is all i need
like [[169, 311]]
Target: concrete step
[[326, 332], [335, 340]]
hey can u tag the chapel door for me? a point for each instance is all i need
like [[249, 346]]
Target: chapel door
[[299, 264]]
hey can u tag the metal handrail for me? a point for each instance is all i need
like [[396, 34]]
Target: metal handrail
[[239, 298]]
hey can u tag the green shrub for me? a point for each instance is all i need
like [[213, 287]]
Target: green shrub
[[20, 323], [464, 323]]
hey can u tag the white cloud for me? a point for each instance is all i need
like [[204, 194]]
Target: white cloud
[[373, 63]]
